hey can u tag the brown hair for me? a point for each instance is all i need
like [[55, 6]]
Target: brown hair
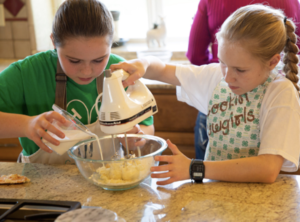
[[268, 31], [81, 18]]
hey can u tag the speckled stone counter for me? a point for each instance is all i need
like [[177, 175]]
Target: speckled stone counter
[[181, 201]]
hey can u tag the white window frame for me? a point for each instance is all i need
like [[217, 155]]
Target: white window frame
[[154, 10]]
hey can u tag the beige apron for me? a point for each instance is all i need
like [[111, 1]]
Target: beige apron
[[42, 156]]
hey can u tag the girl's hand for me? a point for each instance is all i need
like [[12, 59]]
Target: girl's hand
[[137, 130], [178, 166], [36, 126], [133, 142], [136, 68]]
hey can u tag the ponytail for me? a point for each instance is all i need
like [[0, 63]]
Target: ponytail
[[290, 59]]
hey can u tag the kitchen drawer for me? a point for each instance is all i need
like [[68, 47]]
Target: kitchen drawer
[[174, 116], [10, 149]]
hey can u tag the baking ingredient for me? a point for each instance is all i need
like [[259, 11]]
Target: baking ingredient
[[123, 171]]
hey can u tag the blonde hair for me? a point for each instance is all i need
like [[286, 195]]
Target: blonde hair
[[268, 31]]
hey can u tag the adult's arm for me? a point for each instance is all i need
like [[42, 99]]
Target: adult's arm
[[200, 36]]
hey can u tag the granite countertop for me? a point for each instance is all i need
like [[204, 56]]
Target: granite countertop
[[181, 201]]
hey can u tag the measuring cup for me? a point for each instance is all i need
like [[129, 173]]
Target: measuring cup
[[74, 132]]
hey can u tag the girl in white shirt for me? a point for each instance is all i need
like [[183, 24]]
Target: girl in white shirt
[[253, 112]]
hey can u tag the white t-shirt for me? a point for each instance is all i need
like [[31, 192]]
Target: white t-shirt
[[279, 113]]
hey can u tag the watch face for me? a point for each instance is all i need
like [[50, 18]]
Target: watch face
[[198, 168], [198, 174], [197, 171]]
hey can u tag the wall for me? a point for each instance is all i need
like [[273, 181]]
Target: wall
[[27, 30], [17, 38], [43, 13]]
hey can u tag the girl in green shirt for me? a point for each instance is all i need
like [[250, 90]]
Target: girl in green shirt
[[82, 34]]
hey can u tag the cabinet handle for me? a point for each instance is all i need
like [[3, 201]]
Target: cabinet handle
[[8, 145]]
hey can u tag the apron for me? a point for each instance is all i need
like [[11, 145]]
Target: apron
[[233, 122], [42, 156]]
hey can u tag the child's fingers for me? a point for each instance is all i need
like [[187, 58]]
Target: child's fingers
[[50, 139], [41, 145], [61, 120], [114, 67], [165, 167], [129, 81], [56, 131], [140, 142], [133, 70], [134, 130], [46, 125], [164, 158], [51, 115], [173, 148], [122, 65], [161, 175]]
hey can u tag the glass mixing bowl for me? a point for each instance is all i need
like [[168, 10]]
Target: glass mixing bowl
[[116, 171]]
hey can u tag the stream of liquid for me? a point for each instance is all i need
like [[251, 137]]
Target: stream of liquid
[[100, 149]]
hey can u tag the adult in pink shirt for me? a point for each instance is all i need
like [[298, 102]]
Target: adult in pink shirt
[[210, 16], [208, 19]]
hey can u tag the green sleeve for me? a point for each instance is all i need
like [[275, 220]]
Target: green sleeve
[[11, 90], [147, 122]]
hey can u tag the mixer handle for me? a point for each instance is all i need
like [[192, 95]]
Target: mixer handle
[[107, 74]]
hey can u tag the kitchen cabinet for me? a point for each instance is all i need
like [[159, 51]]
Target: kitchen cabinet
[[175, 120], [10, 149]]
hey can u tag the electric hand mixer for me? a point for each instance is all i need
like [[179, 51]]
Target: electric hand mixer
[[121, 110]]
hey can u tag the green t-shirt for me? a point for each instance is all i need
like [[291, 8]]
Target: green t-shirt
[[28, 87]]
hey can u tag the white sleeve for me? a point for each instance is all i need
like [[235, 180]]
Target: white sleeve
[[197, 84], [280, 123]]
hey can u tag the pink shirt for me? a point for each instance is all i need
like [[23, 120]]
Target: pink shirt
[[210, 16]]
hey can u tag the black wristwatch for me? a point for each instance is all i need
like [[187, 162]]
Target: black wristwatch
[[197, 170]]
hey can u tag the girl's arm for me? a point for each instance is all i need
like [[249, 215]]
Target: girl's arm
[[148, 67], [17, 125], [263, 168], [12, 125], [148, 130]]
